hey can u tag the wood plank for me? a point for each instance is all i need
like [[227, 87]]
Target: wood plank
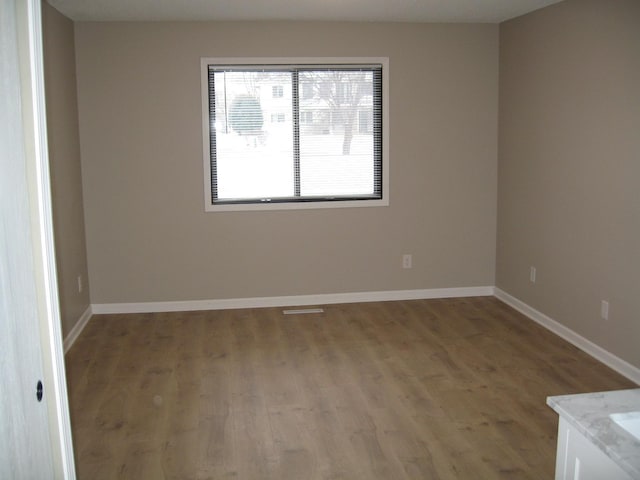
[[438, 389]]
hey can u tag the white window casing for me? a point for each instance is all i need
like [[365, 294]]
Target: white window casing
[[271, 143]]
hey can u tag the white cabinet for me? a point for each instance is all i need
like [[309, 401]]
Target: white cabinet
[[578, 458]]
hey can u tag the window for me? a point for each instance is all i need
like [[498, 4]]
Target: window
[[277, 91], [329, 149], [306, 117], [343, 92], [307, 90]]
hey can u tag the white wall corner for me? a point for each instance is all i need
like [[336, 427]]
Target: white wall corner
[[75, 332], [619, 365]]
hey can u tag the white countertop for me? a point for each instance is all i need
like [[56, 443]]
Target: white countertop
[[589, 414]]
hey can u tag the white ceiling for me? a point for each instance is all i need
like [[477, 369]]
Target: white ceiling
[[466, 11]]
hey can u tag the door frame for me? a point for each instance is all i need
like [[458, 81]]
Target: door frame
[[39, 183]]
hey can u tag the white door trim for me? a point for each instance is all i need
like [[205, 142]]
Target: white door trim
[[51, 329]]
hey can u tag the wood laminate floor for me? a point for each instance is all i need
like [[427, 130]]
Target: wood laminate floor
[[426, 389]]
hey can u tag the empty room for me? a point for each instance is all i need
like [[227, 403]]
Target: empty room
[[339, 240]]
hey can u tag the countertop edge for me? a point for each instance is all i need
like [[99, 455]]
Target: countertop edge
[[589, 414]]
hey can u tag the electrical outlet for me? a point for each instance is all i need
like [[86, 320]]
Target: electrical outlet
[[406, 261], [79, 283], [604, 310], [532, 275]]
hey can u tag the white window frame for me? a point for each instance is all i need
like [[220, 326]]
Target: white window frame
[[293, 205]]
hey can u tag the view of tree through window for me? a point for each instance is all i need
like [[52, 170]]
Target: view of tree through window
[[309, 133]]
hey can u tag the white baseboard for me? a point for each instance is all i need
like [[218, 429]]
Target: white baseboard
[[73, 335], [291, 301], [597, 352]]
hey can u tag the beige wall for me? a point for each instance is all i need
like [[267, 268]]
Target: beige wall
[[569, 167], [64, 157], [148, 236]]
